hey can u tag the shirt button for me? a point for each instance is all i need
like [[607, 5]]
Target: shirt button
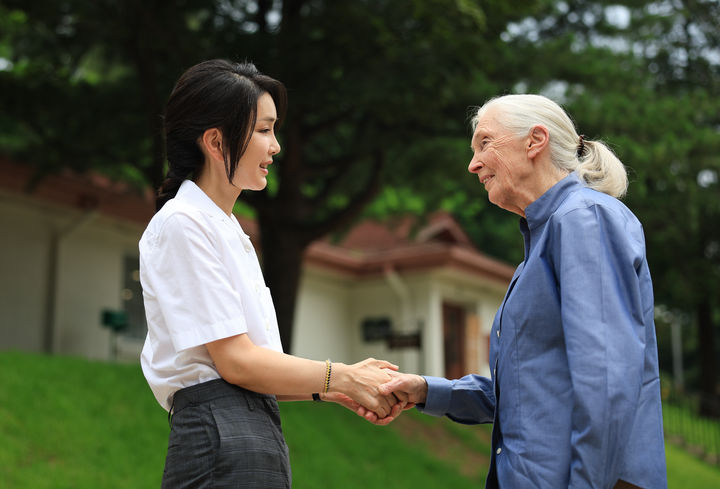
[[498, 451], [498, 333], [494, 373], [267, 325]]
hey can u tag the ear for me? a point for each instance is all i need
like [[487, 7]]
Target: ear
[[211, 143], [538, 139]]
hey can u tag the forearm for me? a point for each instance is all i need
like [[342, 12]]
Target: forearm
[[469, 400], [259, 369], [307, 397], [294, 397], [241, 362]]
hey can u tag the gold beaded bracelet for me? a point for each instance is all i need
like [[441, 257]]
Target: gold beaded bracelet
[[328, 371]]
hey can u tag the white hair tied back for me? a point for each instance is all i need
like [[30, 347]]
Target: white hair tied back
[[593, 161], [602, 170]]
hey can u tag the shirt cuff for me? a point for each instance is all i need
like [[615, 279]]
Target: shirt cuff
[[438, 396], [200, 336]]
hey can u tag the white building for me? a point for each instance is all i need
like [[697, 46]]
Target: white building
[[68, 258]]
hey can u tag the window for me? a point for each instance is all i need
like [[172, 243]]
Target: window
[[133, 299]]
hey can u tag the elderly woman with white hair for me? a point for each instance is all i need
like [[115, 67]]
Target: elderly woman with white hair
[[575, 391]]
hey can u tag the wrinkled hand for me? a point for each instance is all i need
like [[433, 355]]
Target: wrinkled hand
[[409, 389], [360, 383], [353, 406]]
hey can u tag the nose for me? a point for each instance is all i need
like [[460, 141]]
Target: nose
[[275, 146], [475, 165]]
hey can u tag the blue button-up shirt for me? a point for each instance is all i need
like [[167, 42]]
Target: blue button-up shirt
[[575, 390]]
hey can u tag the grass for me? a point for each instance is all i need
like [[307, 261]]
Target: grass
[[699, 434], [73, 423], [331, 447], [685, 471]]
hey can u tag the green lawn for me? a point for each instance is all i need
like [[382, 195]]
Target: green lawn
[[72, 423], [700, 433]]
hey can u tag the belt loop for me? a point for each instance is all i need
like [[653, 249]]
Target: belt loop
[[170, 412], [250, 401]]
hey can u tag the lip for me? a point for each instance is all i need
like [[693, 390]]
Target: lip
[[484, 180], [264, 165]]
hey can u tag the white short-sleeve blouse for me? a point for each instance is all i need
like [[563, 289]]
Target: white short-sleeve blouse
[[201, 282]]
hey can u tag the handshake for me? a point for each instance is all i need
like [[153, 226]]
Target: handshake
[[375, 390]]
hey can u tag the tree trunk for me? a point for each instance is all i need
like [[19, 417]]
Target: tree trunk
[[282, 265], [709, 405]]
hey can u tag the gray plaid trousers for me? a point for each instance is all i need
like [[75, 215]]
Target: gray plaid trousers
[[225, 437]]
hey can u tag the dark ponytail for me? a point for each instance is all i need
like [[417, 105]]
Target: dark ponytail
[[212, 94]]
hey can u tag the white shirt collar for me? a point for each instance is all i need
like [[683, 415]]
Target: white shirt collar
[[190, 192], [194, 195]]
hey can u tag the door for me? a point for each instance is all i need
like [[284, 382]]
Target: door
[[454, 340]]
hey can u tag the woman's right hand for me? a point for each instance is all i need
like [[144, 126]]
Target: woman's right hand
[[360, 382]]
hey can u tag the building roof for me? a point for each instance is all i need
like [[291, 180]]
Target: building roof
[[371, 235], [404, 244], [369, 248], [81, 192]]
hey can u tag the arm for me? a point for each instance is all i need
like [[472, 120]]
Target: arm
[[595, 258], [469, 400], [213, 314], [350, 404], [241, 362], [294, 397]]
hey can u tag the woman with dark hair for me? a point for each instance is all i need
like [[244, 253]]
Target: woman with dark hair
[[213, 356]]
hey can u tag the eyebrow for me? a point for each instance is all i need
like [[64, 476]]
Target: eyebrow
[[267, 119], [474, 139]]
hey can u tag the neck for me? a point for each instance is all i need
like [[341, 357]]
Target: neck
[[548, 180], [219, 190], [544, 179]]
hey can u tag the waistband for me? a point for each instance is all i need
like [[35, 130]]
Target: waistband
[[211, 390]]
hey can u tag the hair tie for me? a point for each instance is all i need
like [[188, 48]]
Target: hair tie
[[581, 146]]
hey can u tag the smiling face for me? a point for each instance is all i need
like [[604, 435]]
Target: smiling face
[[252, 169], [500, 162]]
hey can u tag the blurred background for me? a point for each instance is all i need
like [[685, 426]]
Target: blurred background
[[374, 238]]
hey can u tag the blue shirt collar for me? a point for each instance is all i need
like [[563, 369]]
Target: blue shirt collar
[[537, 213]]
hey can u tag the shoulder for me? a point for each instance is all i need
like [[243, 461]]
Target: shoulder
[[586, 202], [586, 206], [176, 220]]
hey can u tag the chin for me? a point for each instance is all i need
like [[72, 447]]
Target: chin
[[502, 205], [259, 184]]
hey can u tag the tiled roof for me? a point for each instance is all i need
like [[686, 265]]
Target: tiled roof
[[368, 248], [404, 244]]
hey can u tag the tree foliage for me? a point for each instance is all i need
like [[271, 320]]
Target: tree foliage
[[366, 79], [646, 78], [379, 97]]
